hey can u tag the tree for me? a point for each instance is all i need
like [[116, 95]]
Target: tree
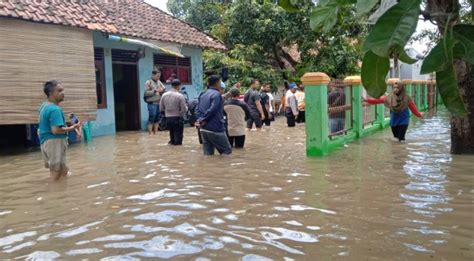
[[263, 39], [395, 22], [200, 13]]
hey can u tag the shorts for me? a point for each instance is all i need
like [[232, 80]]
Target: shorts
[[54, 154], [254, 117], [153, 113]]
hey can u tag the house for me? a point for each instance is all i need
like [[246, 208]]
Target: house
[[102, 52], [409, 71]]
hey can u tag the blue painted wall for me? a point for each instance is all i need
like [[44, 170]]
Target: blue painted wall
[[105, 122]]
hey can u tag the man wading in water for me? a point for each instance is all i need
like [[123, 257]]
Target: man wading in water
[[237, 113], [252, 98], [53, 130], [173, 104], [399, 102], [211, 119], [291, 105], [153, 91]]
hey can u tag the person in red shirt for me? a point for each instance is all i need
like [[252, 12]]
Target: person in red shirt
[[399, 102]]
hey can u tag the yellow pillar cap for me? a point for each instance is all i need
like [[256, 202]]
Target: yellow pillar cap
[[315, 78], [352, 80], [391, 81], [407, 81]]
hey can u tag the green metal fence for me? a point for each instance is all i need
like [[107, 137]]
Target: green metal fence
[[336, 113]]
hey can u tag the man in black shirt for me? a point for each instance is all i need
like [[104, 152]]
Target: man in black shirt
[[252, 98]]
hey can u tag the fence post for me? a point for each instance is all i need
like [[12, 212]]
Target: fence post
[[348, 93], [357, 110], [409, 85], [316, 95], [436, 93], [439, 100], [418, 94], [425, 99], [412, 91]]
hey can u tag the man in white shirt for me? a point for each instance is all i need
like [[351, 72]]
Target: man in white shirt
[[272, 105], [237, 113], [291, 105], [300, 98], [173, 104]]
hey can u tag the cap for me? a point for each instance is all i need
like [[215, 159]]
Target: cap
[[293, 85], [222, 85]]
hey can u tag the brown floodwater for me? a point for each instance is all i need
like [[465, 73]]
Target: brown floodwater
[[133, 197]]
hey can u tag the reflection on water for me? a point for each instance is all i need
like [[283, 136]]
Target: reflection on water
[[131, 196]]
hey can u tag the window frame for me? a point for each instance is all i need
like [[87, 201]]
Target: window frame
[[176, 66], [99, 64]]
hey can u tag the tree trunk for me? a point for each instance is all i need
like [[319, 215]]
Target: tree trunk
[[462, 128], [281, 64], [288, 57]]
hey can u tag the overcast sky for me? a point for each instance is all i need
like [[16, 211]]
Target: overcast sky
[[158, 3], [420, 47]]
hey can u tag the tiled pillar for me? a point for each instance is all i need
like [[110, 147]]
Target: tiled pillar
[[357, 108], [316, 95]]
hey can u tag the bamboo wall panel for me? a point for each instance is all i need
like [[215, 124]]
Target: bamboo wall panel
[[32, 53]]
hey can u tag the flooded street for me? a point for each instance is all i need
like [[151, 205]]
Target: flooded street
[[132, 196]]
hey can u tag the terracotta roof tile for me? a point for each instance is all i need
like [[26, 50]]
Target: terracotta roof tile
[[127, 17], [139, 19], [62, 12]]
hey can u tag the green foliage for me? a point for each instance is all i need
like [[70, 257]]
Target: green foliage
[[338, 58], [270, 44], [365, 6], [179, 8], [448, 89], [465, 34], [242, 66], [457, 43], [374, 72], [466, 13], [441, 52], [289, 5], [324, 18], [394, 28], [403, 56], [440, 60], [200, 13]]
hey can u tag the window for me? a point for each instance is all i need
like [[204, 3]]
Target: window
[[100, 78], [169, 65]]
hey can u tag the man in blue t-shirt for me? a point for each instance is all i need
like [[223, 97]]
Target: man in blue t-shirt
[[53, 130]]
